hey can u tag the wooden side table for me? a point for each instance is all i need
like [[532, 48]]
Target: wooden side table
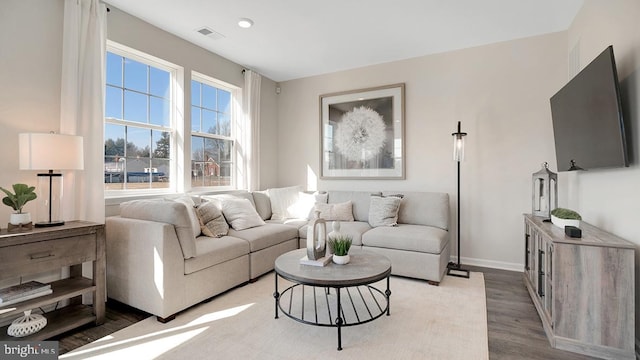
[[45, 249]]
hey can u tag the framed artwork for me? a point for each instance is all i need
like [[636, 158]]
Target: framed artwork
[[362, 134]]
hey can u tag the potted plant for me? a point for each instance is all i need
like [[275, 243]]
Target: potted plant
[[340, 246], [21, 195], [562, 217]]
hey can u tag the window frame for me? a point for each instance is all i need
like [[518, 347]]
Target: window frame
[[176, 120], [234, 120]]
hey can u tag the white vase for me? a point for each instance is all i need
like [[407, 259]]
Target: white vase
[[20, 218], [561, 223], [341, 260]]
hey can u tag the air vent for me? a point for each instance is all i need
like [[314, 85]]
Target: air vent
[[210, 33]]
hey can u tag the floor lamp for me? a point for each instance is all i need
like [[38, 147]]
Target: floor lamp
[[454, 269], [41, 151]]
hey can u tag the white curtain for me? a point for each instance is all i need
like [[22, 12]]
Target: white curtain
[[82, 105], [251, 101]]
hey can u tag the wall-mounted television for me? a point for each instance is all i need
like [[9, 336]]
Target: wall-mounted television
[[588, 126]]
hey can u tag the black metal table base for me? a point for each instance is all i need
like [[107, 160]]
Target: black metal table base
[[351, 306]]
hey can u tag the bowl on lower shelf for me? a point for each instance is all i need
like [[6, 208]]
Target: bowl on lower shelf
[[561, 223]]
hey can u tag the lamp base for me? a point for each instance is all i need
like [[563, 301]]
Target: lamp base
[[456, 270], [49, 223]]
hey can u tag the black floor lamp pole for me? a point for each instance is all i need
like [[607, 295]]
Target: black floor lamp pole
[[455, 269]]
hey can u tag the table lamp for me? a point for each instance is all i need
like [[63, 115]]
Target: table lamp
[[41, 151]]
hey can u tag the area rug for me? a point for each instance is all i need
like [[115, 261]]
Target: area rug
[[426, 322]]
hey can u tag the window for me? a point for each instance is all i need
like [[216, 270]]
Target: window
[[212, 133], [139, 122]]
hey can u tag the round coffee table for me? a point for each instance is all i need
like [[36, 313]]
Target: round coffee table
[[362, 303]]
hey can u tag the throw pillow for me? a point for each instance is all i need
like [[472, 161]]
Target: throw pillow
[[281, 200], [212, 222], [335, 212], [240, 214], [191, 205], [304, 207], [383, 211]]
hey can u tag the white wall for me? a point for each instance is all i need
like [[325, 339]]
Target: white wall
[[610, 199], [30, 68], [500, 92], [135, 33]]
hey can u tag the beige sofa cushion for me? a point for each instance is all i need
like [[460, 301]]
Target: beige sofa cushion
[[262, 237], [423, 208], [419, 238], [263, 204], [213, 251], [169, 212], [191, 205]]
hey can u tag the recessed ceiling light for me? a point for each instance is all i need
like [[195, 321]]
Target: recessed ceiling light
[[245, 23]]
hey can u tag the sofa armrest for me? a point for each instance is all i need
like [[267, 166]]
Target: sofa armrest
[[145, 265]]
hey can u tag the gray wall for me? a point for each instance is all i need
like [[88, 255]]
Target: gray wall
[[499, 92], [610, 199], [30, 68]]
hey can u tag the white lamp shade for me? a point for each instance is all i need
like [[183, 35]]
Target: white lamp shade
[[40, 151]]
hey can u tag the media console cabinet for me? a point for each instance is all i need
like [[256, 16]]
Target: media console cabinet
[[583, 288], [24, 253]]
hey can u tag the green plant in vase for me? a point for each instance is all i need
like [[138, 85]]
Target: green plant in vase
[[340, 246], [562, 217], [17, 199]]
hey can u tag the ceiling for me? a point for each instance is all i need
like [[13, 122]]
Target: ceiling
[[292, 39]]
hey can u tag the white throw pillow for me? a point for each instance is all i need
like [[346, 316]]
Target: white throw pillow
[[281, 201], [240, 214], [335, 212], [383, 211], [304, 207]]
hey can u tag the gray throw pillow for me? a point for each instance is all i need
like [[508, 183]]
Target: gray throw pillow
[[212, 221], [383, 211]]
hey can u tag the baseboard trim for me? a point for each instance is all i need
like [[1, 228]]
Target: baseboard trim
[[490, 263]]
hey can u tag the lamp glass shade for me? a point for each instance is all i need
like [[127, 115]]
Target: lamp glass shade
[[458, 146], [41, 151]]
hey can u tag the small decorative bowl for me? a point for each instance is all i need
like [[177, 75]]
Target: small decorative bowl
[[26, 325]]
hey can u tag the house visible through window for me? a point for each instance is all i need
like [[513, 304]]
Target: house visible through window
[[139, 129], [212, 131]]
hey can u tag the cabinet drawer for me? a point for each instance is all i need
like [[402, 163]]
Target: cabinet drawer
[[45, 255]]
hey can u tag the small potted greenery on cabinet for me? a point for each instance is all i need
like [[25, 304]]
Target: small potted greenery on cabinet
[[21, 195], [562, 217]]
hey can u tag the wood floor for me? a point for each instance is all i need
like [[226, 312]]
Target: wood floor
[[515, 330]]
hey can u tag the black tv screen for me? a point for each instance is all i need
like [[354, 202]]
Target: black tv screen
[[588, 127]]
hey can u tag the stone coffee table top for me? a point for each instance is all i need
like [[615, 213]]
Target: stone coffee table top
[[365, 267]]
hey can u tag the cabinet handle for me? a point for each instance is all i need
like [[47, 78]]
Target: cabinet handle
[[540, 274], [42, 255]]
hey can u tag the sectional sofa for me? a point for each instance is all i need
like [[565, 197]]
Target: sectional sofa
[[159, 261]]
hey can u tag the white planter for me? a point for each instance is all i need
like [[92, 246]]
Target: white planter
[[341, 260], [561, 223], [17, 219]]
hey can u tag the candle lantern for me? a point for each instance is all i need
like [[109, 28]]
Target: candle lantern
[[545, 192]]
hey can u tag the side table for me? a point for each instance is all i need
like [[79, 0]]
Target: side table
[[44, 249]]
